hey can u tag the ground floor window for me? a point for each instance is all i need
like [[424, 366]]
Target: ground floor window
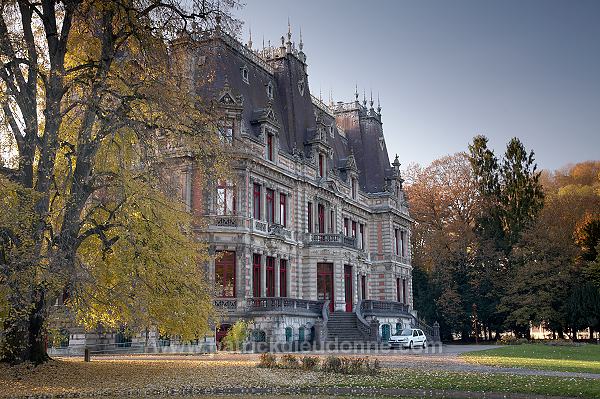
[[225, 274], [256, 275], [283, 278], [385, 332], [270, 276]]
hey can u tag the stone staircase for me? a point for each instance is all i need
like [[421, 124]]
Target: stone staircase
[[343, 327]]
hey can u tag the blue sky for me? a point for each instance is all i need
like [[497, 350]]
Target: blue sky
[[448, 70]]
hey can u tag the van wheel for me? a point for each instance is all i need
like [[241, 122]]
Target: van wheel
[[425, 344], [410, 345]]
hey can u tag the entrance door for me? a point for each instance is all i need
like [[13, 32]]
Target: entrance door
[[325, 283], [348, 287]]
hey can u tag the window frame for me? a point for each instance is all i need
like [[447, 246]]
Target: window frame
[[256, 201]]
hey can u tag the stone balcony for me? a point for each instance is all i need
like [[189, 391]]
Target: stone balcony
[[331, 239], [249, 306], [383, 308]]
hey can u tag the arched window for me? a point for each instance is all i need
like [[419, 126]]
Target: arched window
[[259, 336], [301, 334], [288, 334], [385, 332], [398, 328]]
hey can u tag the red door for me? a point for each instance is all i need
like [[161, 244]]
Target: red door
[[325, 283], [348, 287]]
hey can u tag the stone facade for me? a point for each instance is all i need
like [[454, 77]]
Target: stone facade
[[313, 193]]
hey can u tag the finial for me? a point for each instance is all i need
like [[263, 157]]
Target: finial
[[289, 29], [356, 93], [378, 105], [320, 97], [396, 163], [301, 44], [282, 41], [371, 102], [250, 39], [263, 43], [364, 98]]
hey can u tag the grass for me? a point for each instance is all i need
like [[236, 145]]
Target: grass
[[173, 377], [583, 359]]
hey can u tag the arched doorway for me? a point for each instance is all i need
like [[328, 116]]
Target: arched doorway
[[221, 332]]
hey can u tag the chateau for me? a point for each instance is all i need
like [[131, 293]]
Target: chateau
[[312, 232], [314, 229]]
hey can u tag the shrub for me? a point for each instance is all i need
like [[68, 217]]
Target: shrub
[[511, 340], [373, 368], [332, 364], [235, 336], [289, 362], [310, 362], [267, 361]]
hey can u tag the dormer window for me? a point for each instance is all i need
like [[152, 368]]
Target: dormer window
[[321, 165], [244, 70], [270, 149], [270, 91], [226, 131]]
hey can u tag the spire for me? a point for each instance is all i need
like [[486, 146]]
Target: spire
[[289, 37], [250, 38], [371, 102], [356, 93], [301, 44], [364, 98], [378, 105]]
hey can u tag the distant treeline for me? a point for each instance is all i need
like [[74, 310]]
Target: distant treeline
[[498, 245]]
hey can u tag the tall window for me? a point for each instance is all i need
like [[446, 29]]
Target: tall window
[[353, 229], [270, 205], [310, 217], [361, 230], [283, 278], [256, 201], [331, 222], [225, 274], [321, 211], [402, 243], [256, 275], [225, 198], [346, 227], [283, 209], [399, 285], [404, 291], [396, 242], [270, 276], [363, 286], [270, 147], [321, 165], [226, 131], [353, 188]]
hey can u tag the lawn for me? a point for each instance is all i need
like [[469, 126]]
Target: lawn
[[193, 375], [584, 359]]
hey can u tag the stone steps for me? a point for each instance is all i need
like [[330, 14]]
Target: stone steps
[[342, 328]]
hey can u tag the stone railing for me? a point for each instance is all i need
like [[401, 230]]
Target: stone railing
[[259, 225], [383, 308], [280, 231], [427, 329], [363, 326], [226, 221], [248, 53], [226, 304], [321, 105], [288, 305], [330, 239]]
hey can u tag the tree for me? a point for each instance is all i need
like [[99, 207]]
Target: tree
[[87, 88], [443, 203]]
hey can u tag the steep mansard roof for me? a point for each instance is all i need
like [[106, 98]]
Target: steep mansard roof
[[355, 129]]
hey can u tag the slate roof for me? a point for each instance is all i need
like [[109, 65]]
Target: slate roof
[[298, 114]]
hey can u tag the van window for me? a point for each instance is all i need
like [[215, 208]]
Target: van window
[[415, 333]]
